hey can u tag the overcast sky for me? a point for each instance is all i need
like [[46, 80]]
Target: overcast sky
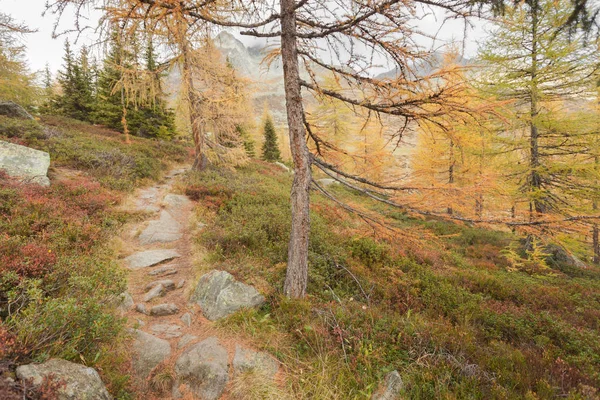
[[42, 48]]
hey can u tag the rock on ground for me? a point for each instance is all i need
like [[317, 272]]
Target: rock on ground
[[185, 340], [282, 166], [149, 351], [202, 369], [161, 310], [219, 295], [556, 253], [155, 292], [150, 258], [125, 302], [168, 284], [164, 230], [248, 360], [390, 390], [80, 382], [25, 163], [326, 182], [163, 271], [166, 330], [13, 110]]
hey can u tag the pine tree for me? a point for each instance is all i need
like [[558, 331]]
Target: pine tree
[[47, 103], [77, 98], [270, 148], [109, 110]]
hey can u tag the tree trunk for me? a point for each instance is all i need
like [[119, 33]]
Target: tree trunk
[[450, 211], [200, 160], [538, 204], [595, 230], [297, 266]]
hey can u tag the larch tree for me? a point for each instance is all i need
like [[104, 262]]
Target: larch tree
[[17, 83], [535, 62]]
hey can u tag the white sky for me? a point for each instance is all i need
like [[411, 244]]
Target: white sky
[[42, 48]]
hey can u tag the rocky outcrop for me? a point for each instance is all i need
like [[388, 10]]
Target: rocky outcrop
[[76, 381], [391, 387], [13, 110], [220, 295], [202, 370], [29, 165], [149, 351]]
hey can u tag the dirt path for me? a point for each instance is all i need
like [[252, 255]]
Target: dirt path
[[160, 256]]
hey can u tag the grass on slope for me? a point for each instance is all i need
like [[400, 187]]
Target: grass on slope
[[58, 277], [436, 302]]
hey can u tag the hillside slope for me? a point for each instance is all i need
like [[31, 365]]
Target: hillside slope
[[436, 301], [59, 275]]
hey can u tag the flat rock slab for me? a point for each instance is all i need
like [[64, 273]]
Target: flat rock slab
[[168, 331], [164, 230], [391, 387], [150, 258], [176, 204], [202, 370], [220, 295], [80, 382], [185, 340], [248, 360], [27, 164], [166, 283], [149, 351], [163, 271]]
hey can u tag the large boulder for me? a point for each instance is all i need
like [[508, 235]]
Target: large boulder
[[558, 254], [25, 163], [220, 295], [76, 381], [202, 370], [13, 110], [149, 351], [246, 360], [391, 387]]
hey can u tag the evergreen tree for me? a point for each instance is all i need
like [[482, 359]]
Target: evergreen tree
[[247, 141], [109, 111], [77, 98], [47, 103], [270, 149], [154, 118], [146, 117]]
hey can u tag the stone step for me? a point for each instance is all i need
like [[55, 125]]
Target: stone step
[[150, 258]]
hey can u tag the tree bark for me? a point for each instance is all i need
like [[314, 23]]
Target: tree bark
[[595, 230], [450, 211], [535, 180], [297, 267], [200, 160]]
